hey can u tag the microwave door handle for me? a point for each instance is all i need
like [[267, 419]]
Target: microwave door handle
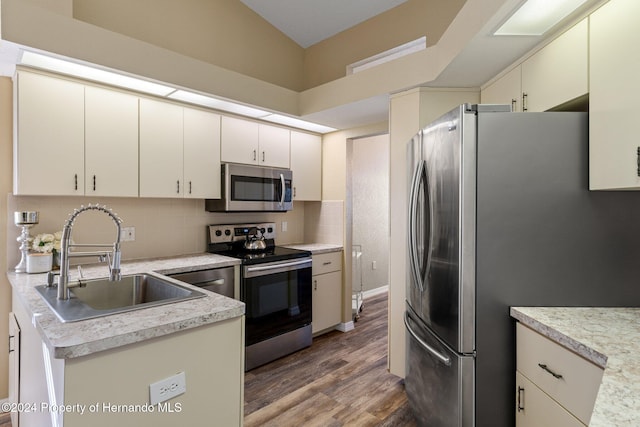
[[283, 189]]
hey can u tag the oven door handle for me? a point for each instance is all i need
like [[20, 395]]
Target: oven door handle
[[277, 266]]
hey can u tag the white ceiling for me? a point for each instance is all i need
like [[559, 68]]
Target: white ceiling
[[308, 22]]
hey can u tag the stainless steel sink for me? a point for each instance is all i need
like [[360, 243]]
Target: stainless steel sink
[[100, 297]]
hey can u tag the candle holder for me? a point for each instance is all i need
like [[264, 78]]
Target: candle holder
[[26, 220]]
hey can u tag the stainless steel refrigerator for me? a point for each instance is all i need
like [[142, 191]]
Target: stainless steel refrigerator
[[500, 215]]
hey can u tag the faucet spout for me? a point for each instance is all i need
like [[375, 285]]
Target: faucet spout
[[65, 245]]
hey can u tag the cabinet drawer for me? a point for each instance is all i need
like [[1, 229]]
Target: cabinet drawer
[[568, 378], [327, 262], [534, 408]]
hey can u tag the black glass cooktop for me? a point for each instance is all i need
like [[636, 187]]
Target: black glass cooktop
[[271, 254]]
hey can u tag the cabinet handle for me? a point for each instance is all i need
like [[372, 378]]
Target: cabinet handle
[[520, 399], [10, 346], [638, 155], [294, 188], [263, 157], [524, 101], [189, 187], [75, 181], [514, 103], [94, 183], [178, 183], [545, 368], [315, 285], [254, 155], [326, 263]]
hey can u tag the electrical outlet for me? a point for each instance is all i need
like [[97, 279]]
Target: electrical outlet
[[374, 265], [167, 388], [284, 226], [128, 234]]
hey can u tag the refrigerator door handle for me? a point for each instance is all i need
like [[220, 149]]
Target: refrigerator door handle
[[419, 177], [444, 359]]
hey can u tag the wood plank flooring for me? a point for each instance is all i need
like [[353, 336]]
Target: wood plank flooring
[[341, 380]]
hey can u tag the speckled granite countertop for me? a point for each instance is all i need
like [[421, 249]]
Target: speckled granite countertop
[[316, 248], [68, 340], [610, 338]]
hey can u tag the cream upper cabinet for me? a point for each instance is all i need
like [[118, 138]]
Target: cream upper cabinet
[[614, 146], [239, 141], [273, 146], [111, 143], [201, 154], [559, 72], [327, 291], [49, 143], [253, 143], [306, 165], [161, 142], [506, 90]]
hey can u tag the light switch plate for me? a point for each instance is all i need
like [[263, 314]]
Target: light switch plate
[[167, 388]]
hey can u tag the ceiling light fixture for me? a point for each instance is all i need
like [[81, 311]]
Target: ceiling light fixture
[[388, 55], [536, 17], [113, 78]]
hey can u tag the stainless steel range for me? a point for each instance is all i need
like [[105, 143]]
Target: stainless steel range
[[275, 285]]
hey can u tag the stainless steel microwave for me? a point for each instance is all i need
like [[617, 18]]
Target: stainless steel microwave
[[253, 188]]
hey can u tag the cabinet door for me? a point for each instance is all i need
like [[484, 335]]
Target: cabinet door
[[506, 90], [49, 150], [160, 149], [14, 366], [273, 146], [559, 72], [534, 408], [201, 154], [614, 90], [327, 300], [306, 165], [111, 143], [239, 141]]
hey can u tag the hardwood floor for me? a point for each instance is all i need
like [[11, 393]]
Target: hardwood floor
[[341, 380]]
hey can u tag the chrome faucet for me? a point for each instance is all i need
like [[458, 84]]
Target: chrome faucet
[[112, 258]]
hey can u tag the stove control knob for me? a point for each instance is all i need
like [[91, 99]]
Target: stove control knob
[[270, 230], [227, 232], [218, 233]]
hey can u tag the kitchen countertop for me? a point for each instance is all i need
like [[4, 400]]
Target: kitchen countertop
[[608, 337], [316, 248], [75, 339]]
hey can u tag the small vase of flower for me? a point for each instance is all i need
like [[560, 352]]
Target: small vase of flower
[[46, 245]]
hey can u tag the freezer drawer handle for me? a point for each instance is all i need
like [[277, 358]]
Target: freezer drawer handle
[[543, 366], [444, 359]]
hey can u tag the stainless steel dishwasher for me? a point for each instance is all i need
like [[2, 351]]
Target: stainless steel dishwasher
[[218, 280]]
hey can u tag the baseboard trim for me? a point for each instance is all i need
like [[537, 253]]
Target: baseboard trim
[[376, 291], [345, 327]]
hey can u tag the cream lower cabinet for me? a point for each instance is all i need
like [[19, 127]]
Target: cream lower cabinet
[[327, 290], [14, 367], [306, 165], [113, 385], [554, 386], [614, 67], [49, 143]]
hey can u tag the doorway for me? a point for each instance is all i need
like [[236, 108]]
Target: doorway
[[368, 212]]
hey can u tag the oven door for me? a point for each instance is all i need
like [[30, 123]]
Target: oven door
[[277, 297]]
